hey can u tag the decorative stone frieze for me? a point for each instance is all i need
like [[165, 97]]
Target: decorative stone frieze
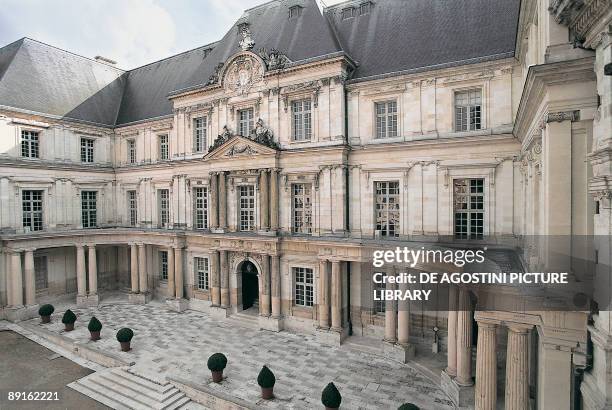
[[562, 116]]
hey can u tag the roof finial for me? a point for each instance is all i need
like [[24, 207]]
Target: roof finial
[[247, 42]]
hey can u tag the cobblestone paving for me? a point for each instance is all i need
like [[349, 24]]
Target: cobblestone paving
[[167, 343]]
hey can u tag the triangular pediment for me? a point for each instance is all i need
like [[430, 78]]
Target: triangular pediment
[[238, 147]]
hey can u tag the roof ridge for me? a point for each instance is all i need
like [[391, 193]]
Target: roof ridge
[[72, 53], [10, 62], [209, 45]]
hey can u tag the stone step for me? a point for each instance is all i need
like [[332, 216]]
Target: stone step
[[120, 389]]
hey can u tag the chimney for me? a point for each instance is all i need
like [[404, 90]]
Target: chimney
[[105, 60]]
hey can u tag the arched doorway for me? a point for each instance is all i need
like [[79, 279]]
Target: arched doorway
[[250, 285]]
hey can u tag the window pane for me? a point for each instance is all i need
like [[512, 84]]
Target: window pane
[[387, 211], [469, 208], [468, 110]]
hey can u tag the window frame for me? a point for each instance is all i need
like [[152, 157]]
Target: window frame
[[132, 207], [389, 120], [205, 272], [88, 150], [295, 11], [200, 134], [305, 212], [131, 151], [306, 287], [86, 213], [249, 122], [30, 145], [163, 265], [344, 16], [163, 145], [387, 210], [379, 307], [203, 209], [31, 214], [470, 219], [161, 210], [467, 115], [249, 214], [303, 126]]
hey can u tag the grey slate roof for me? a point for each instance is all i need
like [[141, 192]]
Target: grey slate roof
[[397, 35], [402, 35]]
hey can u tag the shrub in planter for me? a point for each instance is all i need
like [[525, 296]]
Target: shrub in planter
[[124, 337], [68, 320], [330, 397], [408, 406], [216, 364], [94, 327], [45, 313], [266, 381]]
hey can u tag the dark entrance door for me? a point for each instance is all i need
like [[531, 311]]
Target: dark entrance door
[[250, 285]]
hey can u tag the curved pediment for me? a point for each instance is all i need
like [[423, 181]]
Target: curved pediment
[[242, 72], [237, 147]]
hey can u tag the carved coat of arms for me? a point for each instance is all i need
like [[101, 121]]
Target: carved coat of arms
[[244, 72]]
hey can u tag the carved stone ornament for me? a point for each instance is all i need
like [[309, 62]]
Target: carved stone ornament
[[562, 116], [243, 73], [247, 43], [214, 77], [240, 150], [221, 139], [274, 59], [263, 135]]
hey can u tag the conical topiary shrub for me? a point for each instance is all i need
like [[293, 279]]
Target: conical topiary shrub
[[68, 320], [330, 397], [94, 328], [266, 381], [216, 363], [408, 406], [45, 313]]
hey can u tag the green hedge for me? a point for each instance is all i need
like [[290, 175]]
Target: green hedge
[[330, 397], [266, 378], [69, 317], [94, 325], [217, 362], [46, 310], [125, 335]]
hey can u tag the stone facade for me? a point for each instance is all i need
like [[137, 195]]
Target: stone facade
[[184, 201]]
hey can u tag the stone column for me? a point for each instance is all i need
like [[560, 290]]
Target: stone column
[[215, 279], [16, 280], [274, 201], [264, 300], [30, 280], [486, 366], [214, 220], [403, 318], [93, 271], [464, 339], [323, 295], [134, 267], [390, 314], [224, 276], [142, 268], [264, 200], [276, 287], [171, 287], [336, 296], [222, 202], [81, 278], [451, 366], [178, 272], [517, 370]]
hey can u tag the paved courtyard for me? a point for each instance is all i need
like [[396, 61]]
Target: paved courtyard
[[173, 344]]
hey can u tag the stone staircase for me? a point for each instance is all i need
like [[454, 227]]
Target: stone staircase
[[121, 389]]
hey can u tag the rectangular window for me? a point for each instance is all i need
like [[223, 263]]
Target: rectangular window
[[302, 120], [304, 288], [131, 151], [348, 12], [200, 266], [29, 144], [87, 150], [199, 134], [40, 273], [379, 305], [469, 208], [386, 119], [89, 214], [246, 196], [295, 11], [387, 208], [467, 110], [301, 204], [132, 201], [200, 208], [163, 147], [364, 8], [32, 209], [163, 265], [163, 207], [245, 122]]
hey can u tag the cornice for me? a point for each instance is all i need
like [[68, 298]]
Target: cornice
[[539, 77]]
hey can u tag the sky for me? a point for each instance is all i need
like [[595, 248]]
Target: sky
[[131, 32]]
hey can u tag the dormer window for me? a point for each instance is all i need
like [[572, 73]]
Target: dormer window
[[364, 8], [348, 13], [295, 12]]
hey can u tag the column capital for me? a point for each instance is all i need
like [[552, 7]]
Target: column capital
[[520, 328], [487, 323]]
